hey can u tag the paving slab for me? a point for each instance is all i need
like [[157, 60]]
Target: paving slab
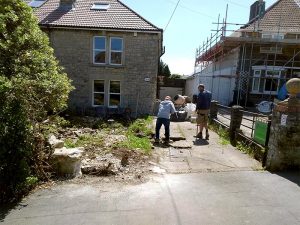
[[204, 155]]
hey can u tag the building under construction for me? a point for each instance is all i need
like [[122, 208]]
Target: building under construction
[[253, 62]]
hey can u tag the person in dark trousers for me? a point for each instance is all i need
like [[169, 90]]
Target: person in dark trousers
[[202, 109], [166, 108]]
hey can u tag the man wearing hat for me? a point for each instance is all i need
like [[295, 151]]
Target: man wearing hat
[[202, 108], [166, 108]]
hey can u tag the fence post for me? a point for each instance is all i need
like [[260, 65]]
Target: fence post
[[235, 122], [213, 113]]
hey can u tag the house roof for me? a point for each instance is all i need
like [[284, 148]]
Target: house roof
[[117, 16], [282, 16]]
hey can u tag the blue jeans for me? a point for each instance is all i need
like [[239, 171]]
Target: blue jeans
[[159, 123]]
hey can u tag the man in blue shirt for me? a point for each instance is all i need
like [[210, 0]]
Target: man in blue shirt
[[166, 108], [202, 108]]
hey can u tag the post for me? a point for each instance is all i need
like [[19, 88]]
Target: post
[[284, 142], [235, 122], [213, 113]]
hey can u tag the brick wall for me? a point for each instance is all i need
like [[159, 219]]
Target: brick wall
[[74, 50]]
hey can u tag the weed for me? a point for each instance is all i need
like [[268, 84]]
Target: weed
[[133, 142], [250, 149], [223, 134], [31, 181], [243, 147], [85, 140], [138, 135], [141, 127]]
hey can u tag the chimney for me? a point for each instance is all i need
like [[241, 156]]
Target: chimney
[[67, 3], [257, 9]]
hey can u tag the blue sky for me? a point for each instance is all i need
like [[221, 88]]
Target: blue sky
[[190, 25]]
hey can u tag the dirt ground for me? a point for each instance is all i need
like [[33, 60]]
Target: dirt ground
[[105, 161]]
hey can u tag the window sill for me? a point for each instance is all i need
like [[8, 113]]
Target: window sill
[[108, 66]]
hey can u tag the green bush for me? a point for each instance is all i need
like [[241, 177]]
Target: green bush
[[15, 143], [31, 85]]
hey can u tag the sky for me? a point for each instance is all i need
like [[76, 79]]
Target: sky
[[190, 26]]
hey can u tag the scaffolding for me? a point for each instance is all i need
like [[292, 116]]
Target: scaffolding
[[277, 57]]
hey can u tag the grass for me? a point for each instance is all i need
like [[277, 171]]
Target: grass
[[85, 140], [244, 147], [141, 126], [223, 134], [248, 148], [138, 135], [134, 142]]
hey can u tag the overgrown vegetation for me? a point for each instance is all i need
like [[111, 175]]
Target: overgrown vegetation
[[223, 133], [243, 145], [138, 135], [251, 149], [32, 85], [95, 140]]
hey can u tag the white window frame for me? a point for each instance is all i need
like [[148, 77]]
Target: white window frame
[[109, 93], [94, 49], [274, 77], [36, 4], [100, 6], [256, 76], [93, 97], [110, 51]]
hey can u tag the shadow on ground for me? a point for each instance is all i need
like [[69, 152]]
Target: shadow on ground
[[5, 209], [200, 142], [161, 145], [293, 176]]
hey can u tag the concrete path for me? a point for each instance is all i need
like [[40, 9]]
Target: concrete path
[[205, 183], [193, 155]]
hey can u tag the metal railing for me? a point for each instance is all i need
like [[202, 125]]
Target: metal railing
[[248, 124], [223, 116], [249, 119]]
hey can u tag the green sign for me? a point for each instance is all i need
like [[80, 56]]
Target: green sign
[[260, 132]]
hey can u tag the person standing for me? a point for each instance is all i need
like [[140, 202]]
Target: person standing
[[166, 108], [202, 109]]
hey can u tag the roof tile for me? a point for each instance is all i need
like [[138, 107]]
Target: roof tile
[[283, 16], [118, 16]]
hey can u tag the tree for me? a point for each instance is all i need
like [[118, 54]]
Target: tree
[[175, 76], [163, 69], [31, 84]]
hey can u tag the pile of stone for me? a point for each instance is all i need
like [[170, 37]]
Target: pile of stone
[[65, 161]]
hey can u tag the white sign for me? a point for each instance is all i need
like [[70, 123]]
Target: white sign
[[283, 120], [265, 107], [147, 79]]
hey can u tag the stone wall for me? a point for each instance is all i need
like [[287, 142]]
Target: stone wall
[[284, 142], [137, 75]]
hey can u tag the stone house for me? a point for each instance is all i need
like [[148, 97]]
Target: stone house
[[252, 63], [109, 51]]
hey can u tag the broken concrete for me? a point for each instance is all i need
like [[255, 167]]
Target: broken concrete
[[54, 142], [67, 162]]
